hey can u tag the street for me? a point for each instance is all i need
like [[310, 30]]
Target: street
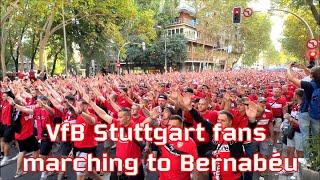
[[7, 173]]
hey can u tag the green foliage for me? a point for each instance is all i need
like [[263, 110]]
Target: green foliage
[[314, 150], [249, 39], [295, 35], [176, 52], [256, 36]]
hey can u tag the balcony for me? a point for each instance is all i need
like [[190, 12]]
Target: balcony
[[191, 23]]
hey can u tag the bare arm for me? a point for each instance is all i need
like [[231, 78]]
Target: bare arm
[[49, 109], [23, 109], [293, 79], [88, 118], [56, 104], [101, 113]]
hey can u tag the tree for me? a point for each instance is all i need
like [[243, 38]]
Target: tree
[[7, 11], [255, 34], [295, 35], [176, 52], [248, 39], [307, 5]]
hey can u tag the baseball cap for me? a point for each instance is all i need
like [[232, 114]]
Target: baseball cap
[[42, 98], [170, 109], [262, 99], [188, 90], [243, 100], [176, 117], [163, 96], [82, 101]]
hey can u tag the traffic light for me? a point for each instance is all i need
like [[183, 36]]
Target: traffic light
[[236, 15], [312, 54]]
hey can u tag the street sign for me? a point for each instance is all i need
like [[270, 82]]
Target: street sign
[[312, 44], [247, 12]]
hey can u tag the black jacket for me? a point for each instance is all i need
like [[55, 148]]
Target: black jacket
[[236, 148]]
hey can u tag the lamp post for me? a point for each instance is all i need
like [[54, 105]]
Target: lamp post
[[65, 42], [165, 50], [165, 53]]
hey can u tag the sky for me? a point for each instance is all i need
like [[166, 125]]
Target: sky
[[276, 19]]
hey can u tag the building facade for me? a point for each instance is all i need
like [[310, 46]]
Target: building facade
[[202, 54]]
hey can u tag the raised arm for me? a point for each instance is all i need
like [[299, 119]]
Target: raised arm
[[291, 78], [56, 104], [100, 112], [88, 118], [20, 108]]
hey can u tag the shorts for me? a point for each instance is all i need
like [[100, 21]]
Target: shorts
[[277, 124], [8, 134], [296, 142], [1, 130], [108, 144], [45, 147], [83, 153], [265, 147], [28, 145], [65, 148]]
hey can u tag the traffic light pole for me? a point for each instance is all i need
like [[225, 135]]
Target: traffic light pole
[[311, 36], [300, 18]]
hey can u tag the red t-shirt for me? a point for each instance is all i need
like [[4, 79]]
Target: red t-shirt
[[138, 119], [188, 118], [239, 121], [127, 149], [6, 113], [277, 105], [175, 173], [123, 102], [89, 135], [112, 111], [253, 97], [210, 116], [200, 94], [288, 95], [224, 153], [0, 105], [26, 127], [20, 75], [264, 120], [42, 118]]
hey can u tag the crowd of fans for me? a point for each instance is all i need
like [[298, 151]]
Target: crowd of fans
[[286, 104]]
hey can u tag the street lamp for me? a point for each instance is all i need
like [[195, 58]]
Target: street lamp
[[165, 50], [119, 51]]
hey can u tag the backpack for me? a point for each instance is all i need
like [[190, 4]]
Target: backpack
[[314, 111], [16, 121]]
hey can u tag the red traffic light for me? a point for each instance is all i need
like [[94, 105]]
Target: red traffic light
[[236, 13], [312, 54]]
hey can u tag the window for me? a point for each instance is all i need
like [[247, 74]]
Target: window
[[177, 31], [173, 31], [181, 30], [169, 32]]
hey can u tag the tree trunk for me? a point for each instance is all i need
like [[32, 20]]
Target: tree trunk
[[3, 52], [22, 59], [35, 49], [314, 11], [55, 61], [42, 47]]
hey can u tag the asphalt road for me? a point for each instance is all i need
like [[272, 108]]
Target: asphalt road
[[7, 173]]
